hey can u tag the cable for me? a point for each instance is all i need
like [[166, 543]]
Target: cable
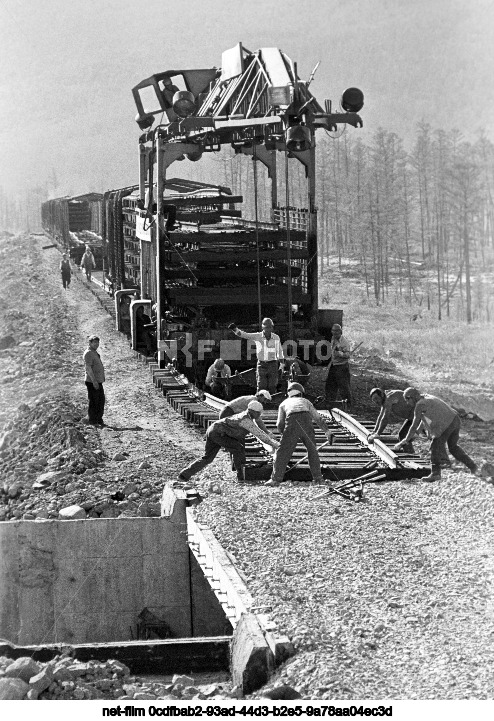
[[258, 259], [288, 248]]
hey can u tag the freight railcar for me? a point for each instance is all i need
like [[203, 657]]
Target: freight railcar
[[75, 222]]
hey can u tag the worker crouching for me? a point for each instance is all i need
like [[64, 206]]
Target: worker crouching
[[295, 422], [230, 434], [442, 424]]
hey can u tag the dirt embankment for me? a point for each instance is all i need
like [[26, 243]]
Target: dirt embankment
[[49, 459]]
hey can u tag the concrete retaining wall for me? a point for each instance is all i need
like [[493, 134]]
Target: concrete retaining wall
[[87, 581]]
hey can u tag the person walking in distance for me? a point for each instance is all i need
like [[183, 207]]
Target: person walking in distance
[[65, 271], [270, 357], [230, 434], [338, 378], [442, 424], [87, 262], [295, 422], [95, 377]]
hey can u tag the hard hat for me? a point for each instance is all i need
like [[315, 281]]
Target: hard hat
[[294, 388], [266, 394], [255, 406]]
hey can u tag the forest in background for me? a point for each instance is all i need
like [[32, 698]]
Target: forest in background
[[417, 225]]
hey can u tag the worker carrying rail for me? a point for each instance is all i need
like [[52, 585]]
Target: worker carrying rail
[[295, 422], [230, 434], [270, 357]]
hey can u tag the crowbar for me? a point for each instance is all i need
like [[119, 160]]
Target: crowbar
[[318, 448]]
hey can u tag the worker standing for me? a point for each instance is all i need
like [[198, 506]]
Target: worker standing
[[270, 357], [443, 427], [65, 270], [338, 378], [230, 434], [94, 379], [295, 422]]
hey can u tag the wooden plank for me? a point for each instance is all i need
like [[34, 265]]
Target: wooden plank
[[226, 296], [252, 660], [182, 202], [169, 656], [230, 256], [236, 236], [242, 273]]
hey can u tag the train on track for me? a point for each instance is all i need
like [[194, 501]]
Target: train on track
[[184, 250]]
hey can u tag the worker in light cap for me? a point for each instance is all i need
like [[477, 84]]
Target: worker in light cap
[[217, 378], [230, 434], [237, 405], [296, 418]]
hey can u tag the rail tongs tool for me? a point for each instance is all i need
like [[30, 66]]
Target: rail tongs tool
[[353, 489]]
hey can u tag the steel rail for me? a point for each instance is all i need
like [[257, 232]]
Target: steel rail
[[382, 451]]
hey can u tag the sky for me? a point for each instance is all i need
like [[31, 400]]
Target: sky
[[67, 112]]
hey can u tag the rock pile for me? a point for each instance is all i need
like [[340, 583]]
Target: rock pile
[[65, 678]]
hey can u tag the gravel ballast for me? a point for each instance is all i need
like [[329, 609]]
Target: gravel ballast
[[389, 598]]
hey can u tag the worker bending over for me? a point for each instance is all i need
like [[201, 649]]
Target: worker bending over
[[240, 404], [217, 378], [230, 434], [443, 427], [295, 422], [391, 403]]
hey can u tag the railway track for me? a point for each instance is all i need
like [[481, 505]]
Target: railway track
[[347, 455]]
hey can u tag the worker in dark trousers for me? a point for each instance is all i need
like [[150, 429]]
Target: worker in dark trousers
[[391, 403], [338, 378], [95, 377], [270, 357], [443, 427], [65, 271], [296, 418], [230, 434]]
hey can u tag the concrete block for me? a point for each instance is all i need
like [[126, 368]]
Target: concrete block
[[251, 658]]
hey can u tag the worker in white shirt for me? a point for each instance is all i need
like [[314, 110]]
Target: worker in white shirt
[[230, 434], [217, 378], [270, 357]]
